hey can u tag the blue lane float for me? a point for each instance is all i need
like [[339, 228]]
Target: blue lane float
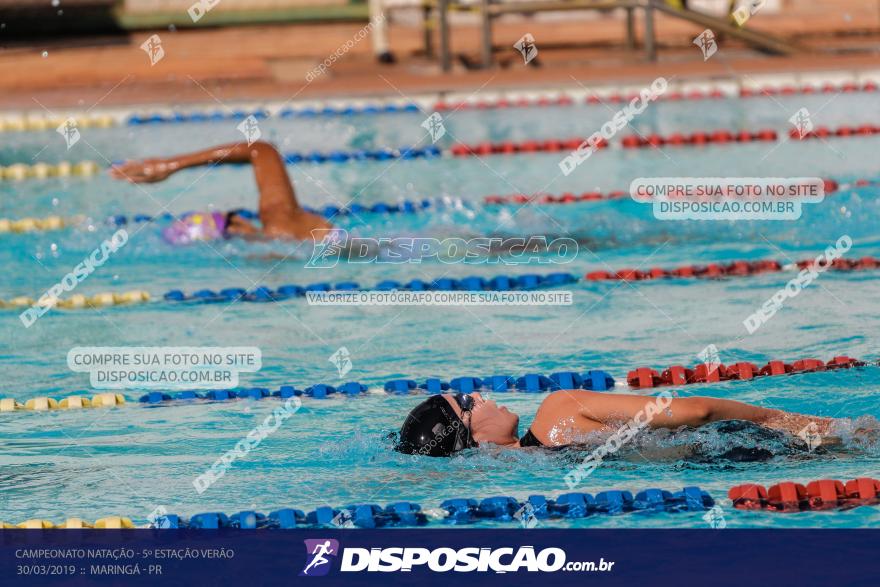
[[486, 289], [261, 113], [387, 208], [593, 380], [407, 206], [457, 511], [341, 156], [473, 283]]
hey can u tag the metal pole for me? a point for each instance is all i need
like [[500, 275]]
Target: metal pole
[[650, 51], [630, 28], [487, 33], [445, 60], [428, 23]]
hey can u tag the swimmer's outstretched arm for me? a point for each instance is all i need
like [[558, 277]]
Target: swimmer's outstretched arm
[[690, 411], [280, 211], [157, 169]]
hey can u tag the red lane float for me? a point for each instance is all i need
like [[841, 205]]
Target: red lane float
[[646, 377], [831, 186], [510, 147], [823, 494], [733, 269], [827, 88], [699, 138], [823, 132], [566, 198]]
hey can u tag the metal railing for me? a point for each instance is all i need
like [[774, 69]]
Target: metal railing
[[490, 9]]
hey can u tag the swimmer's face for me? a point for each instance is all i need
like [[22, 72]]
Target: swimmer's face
[[489, 422], [238, 226]]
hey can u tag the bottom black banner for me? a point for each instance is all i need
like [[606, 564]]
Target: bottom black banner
[[247, 558]]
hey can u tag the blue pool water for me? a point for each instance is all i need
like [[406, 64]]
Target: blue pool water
[[333, 452]]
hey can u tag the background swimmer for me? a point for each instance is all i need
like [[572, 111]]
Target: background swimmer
[[281, 215], [444, 424]]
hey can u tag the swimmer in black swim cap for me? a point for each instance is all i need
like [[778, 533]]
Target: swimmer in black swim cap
[[438, 427], [445, 424]]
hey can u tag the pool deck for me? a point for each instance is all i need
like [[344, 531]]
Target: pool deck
[[253, 63]]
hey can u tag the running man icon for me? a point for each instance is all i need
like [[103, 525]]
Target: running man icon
[[317, 563]]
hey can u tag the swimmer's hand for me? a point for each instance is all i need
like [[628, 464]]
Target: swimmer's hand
[[146, 171]]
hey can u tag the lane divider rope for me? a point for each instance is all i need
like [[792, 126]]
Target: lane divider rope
[[791, 497], [456, 511], [593, 380], [29, 224], [531, 281], [694, 139], [732, 269], [645, 377], [265, 294], [678, 91], [823, 132], [831, 186], [499, 100], [107, 523], [698, 138], [403, 206], [39, 122], [73, 402], [701, 138], [80, 301], [400, 207], [472, 283], [20, 171], [694, 91]]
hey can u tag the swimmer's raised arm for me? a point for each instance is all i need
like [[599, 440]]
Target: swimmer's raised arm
[[280, 212], [157, 169]]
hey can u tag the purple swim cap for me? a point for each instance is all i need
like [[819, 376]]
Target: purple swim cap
[[196, 226]]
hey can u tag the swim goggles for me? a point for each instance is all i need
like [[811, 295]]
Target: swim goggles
[[466, 403]]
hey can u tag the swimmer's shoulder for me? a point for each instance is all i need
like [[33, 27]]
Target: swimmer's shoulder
[[570, 400], [554, 406], [566, 405]]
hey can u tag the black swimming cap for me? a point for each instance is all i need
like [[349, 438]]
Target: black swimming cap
[[433, 429]]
